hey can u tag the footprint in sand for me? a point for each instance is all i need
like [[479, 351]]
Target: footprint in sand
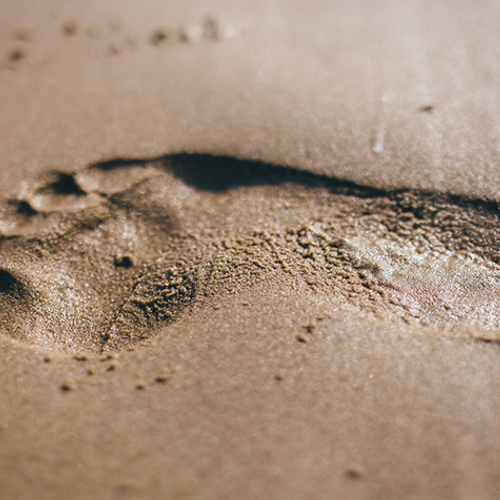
[[101, 258]]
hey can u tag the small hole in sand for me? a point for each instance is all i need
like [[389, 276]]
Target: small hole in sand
[[126, 261], [8, 284], [66, 184], [24, 208], [16, 55], [426, 108]]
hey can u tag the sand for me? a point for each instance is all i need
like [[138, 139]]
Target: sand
[[249, 251]]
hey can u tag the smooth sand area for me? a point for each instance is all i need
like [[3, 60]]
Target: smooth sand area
[[249, 250]]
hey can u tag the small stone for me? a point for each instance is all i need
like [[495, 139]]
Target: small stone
[[162, 379], [355, 471], [70, 28], [67, 385], [162, 35], [309, 328], [426, 108]]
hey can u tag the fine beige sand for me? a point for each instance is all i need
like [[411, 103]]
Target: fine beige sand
[[249, 250]]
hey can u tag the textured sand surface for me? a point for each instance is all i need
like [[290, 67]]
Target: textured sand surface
[[249, 250]]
